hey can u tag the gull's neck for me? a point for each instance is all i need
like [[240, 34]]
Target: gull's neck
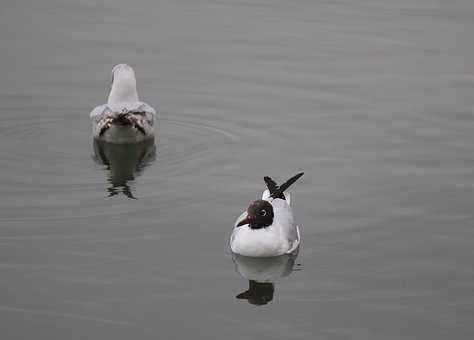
[[124, 88]]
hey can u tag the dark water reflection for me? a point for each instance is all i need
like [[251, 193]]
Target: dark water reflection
[[262, 273], [124, 162], [259, 293]]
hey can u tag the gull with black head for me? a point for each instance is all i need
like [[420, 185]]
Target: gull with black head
[[124, 119], [267, 228]]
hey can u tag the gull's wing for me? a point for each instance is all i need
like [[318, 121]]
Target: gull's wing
[[286, 185], [131, 107], [296, 242], [271, 184], [266, 196], [146, 108], [97, 112]]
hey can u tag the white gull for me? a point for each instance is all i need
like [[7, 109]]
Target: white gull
[[124, 119]]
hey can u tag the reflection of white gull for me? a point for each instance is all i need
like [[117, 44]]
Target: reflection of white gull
[[124, 162], [124, 119], [264, 269], [267, 228], [262, 273]]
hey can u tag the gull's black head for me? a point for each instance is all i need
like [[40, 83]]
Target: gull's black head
[[259, 215]]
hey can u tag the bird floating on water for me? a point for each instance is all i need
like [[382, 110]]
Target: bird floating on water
[[267, 228], [124, 119]]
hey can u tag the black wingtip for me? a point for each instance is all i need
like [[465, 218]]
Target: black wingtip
[[298, 175], [279, 192], [271, 184]]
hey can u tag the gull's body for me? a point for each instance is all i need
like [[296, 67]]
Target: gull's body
[[124, 119], [281, 237], [273, 233]]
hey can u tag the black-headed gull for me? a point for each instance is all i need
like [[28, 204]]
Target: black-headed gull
[[267, 228], [124, 119]]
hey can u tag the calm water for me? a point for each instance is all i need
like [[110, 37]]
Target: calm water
[[374, 100]]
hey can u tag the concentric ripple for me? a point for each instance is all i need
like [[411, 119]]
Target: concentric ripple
[[52, 177]]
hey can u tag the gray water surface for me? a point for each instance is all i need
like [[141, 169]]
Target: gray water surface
[[374, 100]]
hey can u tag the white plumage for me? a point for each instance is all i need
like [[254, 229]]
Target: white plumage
[[124, 119], [279, 238]]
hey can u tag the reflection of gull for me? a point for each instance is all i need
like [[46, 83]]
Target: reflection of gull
[[124, 119], [124, 162], [259, 293], [262, 273], [268, 269]]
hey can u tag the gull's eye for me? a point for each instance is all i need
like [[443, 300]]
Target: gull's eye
[[263, 213]]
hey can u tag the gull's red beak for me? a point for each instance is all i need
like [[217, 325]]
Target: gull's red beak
[[245, 221]]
